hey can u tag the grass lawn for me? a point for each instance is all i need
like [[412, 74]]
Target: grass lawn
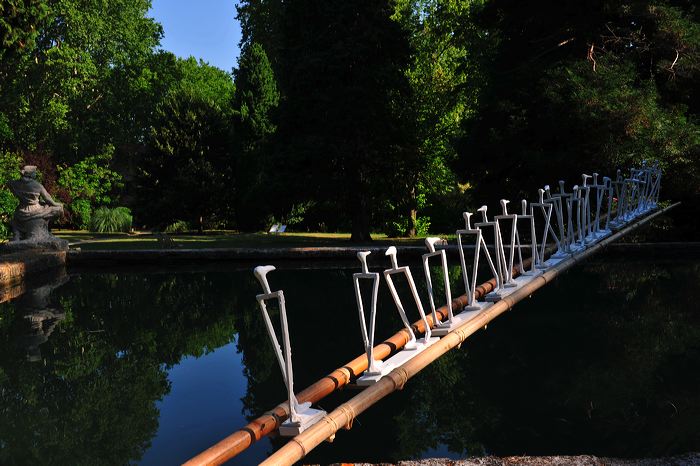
[[219, 239]]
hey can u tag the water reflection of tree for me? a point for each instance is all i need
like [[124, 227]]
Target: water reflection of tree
[[92, 400], [560, 374], [614, 373], [595, 375]]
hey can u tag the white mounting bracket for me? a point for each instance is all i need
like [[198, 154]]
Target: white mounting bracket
[[375, 369], [577, 206], [508, 281], [470, 285], [529, 220], [301, 415], [557, 202], [600, 192], [430, 244], [545, 209], [497, 293], [413, 343]]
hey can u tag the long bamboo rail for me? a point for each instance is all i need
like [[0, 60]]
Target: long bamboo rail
[[267, 423], [243, 438], [344, 415]]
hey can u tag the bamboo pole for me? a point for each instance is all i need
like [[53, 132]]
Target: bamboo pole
[[344, 415], [244, 437]]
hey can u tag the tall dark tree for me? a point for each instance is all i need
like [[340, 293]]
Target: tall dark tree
[[255, 101], [344, 138], [186, 172]]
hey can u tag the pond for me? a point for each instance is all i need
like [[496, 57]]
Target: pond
[[153, 367]]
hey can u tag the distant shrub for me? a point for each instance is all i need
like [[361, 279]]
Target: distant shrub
[[111, 220], [179, 226], [394, 229], [82, 211], [10, 163], [422, 226]]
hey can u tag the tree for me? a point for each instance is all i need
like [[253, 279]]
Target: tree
[[20, 24], [67, 93], [186, 171], [578, 87], [342, 118], [445, 74], [88, 183], [83, 82], [255, 100]]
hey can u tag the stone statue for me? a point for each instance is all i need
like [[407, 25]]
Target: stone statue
[[30, 224]]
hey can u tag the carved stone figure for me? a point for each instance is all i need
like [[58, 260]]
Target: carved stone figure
[[30, 224]]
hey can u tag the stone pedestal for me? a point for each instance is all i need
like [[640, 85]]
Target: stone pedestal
[[47, 242]]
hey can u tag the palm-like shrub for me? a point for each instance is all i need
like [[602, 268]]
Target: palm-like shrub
[[111, 220]]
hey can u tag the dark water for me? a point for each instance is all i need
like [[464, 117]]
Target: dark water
[[151, 368]]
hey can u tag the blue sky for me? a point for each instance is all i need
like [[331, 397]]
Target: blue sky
[[205, 29]]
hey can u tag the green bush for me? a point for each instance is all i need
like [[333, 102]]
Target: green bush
[[10, 164], [394, 229], [82, 213], [422, 226], [111, 220], [179, 226]]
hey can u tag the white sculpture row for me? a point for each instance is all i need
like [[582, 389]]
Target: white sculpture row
[[583, 217]]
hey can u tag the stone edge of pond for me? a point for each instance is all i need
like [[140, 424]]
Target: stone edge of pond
[[176, 255], [168, 256], [17, 267], [687, 459]]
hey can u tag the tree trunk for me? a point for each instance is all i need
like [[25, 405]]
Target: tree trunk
[[412, 223], [413, 214], [360, 221]]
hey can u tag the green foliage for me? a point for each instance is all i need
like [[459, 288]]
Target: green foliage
[[422, 226], [628, 120], [111, 220], [178, 226], [342, 112], [255, 101], [364, 123], [256, 96], [81, 210], [91, 178], [207, 82], [20, 22], [10, 164], [187, 161], [574, 87], [88, 184], [69, 96], [446, 77], [187, 166], [402, 227]]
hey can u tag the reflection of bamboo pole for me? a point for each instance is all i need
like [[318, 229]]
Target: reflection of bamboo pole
[[344, 415]]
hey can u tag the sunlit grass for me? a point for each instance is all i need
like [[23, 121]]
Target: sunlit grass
[[218, 239]]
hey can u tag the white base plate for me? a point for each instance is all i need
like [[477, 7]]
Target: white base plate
[[308, 417], [405, 355], [458, 320], [371, 379], [552, 261]]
